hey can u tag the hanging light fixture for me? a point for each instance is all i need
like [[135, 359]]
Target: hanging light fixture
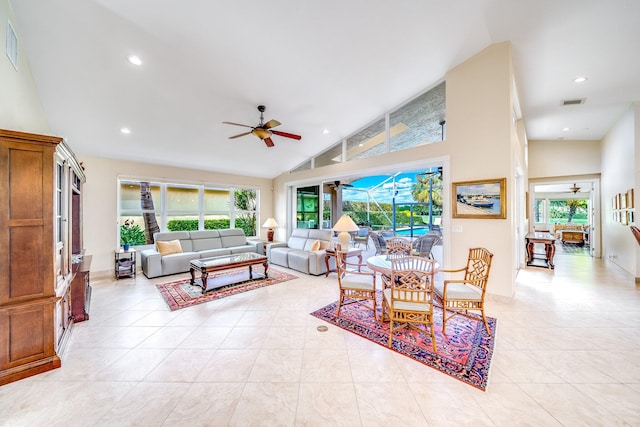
[[574, 189]]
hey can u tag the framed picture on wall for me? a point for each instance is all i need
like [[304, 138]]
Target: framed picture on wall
[[482, 199], [630, 202]]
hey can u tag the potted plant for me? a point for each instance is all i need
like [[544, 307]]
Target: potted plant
[[131, 234]]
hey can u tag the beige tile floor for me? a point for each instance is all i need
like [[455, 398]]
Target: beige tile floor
[[567, 353]]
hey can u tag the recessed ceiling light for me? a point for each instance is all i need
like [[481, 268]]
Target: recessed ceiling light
[[126, 131], [566, 129], [134, 59], [325, 131], [580, 79]]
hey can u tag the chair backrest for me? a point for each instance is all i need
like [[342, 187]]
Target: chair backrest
[[422, 246], [364, 231], [398, 245], [375, 238], [478, 267], [412, 279]]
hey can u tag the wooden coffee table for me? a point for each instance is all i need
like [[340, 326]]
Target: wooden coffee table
[[226, 262]]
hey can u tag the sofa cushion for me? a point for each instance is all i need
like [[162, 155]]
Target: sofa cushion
[[183, 236], [299, 261], [178, 263], [232, 237], [279, 256], [169, 247], [210, 253]]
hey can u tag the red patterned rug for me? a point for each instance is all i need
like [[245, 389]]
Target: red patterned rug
[[180, 293], [464, 353]]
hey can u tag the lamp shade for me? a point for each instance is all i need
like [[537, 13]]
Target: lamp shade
[[270, 223], [345, 225]]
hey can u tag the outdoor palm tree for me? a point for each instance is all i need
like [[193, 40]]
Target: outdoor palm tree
[[428, 188], [573, 205], [148, 212]]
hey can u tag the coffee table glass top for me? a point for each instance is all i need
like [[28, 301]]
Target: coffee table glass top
[[227, 259]]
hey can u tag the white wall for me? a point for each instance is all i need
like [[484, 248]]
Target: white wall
[[620, 172], [99, 197], [481, 137], [20, 107], [563, 158]]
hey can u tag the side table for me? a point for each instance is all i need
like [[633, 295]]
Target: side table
[[350, 253], [125, 263]]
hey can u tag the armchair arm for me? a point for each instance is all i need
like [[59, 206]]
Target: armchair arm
[[442, 270], [151, 261]]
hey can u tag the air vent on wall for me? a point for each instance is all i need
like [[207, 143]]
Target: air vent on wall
[[12, 46], [573, 101]]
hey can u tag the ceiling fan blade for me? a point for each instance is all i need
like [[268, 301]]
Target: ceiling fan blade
[[239, 135], [237, 124], [286, 134], [269, 142], [271, 124]]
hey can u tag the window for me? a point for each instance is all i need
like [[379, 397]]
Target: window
[[538, 211], [568, 211], [367, 142], [419, 121], [150, 207]]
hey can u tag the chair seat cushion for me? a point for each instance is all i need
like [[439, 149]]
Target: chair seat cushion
[[358, 281], [404, 305], [458, 291]]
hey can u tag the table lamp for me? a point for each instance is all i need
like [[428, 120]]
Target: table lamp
[[270, 224], [344, 225]]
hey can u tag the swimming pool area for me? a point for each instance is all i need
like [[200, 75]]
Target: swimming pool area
[[417, 231]]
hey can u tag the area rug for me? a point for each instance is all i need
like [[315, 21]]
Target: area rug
[[180, 293], [464, 353]]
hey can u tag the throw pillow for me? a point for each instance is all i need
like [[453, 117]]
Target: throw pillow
[[315, 246], [169, 247]]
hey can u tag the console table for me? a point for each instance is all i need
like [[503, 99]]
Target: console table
[[546, 239], [350, 253]]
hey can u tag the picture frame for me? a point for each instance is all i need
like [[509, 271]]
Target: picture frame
[[630, 201], [623, 200], [480, 199]]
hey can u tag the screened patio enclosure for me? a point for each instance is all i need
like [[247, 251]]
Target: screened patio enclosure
[[409, 203]]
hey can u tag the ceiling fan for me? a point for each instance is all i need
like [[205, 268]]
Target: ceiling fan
[[264, 130]]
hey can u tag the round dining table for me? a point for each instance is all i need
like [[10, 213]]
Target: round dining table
[[382, 264]]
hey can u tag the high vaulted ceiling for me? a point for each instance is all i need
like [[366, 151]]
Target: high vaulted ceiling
[[333, 64]]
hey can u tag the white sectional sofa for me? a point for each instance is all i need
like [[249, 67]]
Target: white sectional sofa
[[192, 245], [297, 252]]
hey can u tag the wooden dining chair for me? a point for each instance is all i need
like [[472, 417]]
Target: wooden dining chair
[[356, 282], [408, 302], [398, 246], [459, 296]]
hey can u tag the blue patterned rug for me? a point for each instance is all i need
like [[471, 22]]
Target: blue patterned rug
[[464, 353]]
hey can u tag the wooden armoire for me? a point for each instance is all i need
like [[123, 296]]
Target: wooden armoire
[[40, 229]]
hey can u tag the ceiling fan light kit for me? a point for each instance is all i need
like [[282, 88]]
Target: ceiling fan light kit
[[263, 130]]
